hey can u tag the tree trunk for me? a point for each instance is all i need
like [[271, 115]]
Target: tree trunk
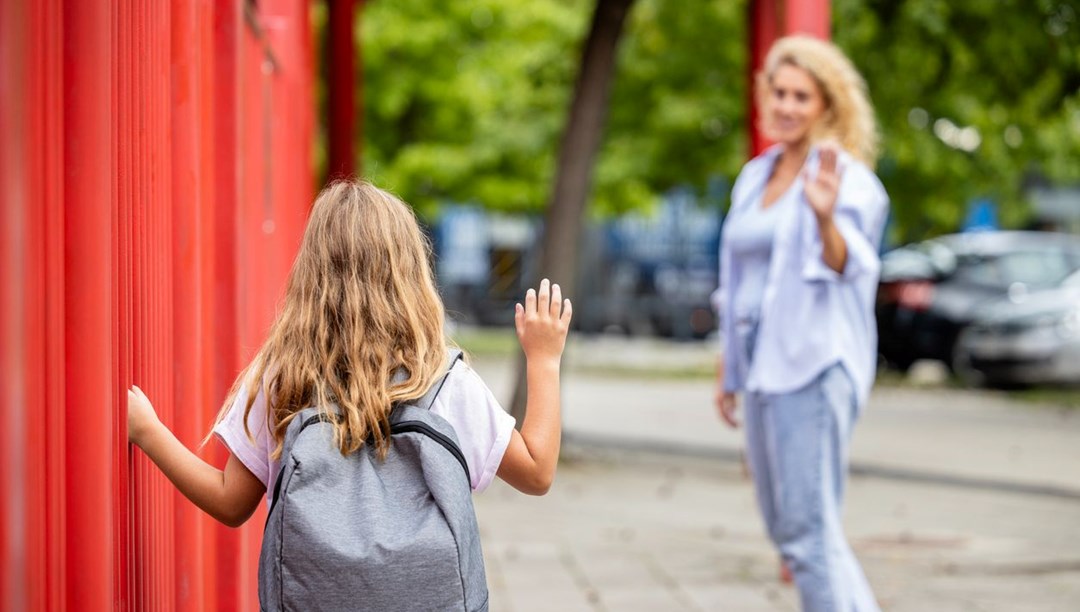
[[577, 156]]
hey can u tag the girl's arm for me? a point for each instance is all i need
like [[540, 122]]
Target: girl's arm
[[230, 496], [529, 462]]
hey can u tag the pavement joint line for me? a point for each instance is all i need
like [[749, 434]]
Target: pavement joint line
[[858, 468]]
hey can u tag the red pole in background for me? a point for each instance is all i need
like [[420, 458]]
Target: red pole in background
[[768, 21], [808, 17], [340, 89]]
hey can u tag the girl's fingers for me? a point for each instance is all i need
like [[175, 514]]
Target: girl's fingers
[[519, 318], [567, 310], [530, 302], [544, 299], [556, 300]]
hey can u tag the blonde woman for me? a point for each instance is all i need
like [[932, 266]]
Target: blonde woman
[[361, 328], [799, 270]]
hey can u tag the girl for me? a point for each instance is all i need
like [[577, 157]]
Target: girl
[[799, 271], [360, 306]]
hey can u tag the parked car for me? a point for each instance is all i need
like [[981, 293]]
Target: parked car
[[930, 291], [1027, 339]]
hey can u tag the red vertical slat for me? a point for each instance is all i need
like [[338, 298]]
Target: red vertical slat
[[122, 304], [87, 291], [208, 393], [187, 273], [226, 153], [163, 34], [47, 281]]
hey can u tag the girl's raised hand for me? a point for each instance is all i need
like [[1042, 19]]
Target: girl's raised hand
[[542, 323], [141, 414]]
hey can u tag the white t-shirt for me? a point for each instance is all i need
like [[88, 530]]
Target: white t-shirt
[[483, 428]]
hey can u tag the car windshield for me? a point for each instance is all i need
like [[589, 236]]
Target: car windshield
[[1031, 268]]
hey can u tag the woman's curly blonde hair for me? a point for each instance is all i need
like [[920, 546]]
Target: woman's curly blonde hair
[[849, 117]]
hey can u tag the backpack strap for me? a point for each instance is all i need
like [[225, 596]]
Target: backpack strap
[[425, 402]]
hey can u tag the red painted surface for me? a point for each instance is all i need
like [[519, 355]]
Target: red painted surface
[[769, 20], [341, 88], [155, 175]]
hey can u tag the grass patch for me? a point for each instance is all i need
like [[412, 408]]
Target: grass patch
[[486, 342], [1058, 397], [689, 372]]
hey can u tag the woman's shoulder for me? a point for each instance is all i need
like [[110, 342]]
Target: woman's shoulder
[[752, 174], [858, 179], [857, 170], [761, 161]]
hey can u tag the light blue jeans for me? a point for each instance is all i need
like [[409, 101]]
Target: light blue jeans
[[797, 446]]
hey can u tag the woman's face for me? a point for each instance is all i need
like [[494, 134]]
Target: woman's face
[[796, 103]]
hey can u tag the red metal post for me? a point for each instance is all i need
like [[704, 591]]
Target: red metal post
[[340, 88], [768, 21], [808, 17], [764, 27], [227, 154], [89, 436], [190, 419]]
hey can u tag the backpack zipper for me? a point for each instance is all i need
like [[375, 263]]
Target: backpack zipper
[[429, 431]]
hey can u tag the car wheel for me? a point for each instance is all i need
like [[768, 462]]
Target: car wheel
[[960, 364]]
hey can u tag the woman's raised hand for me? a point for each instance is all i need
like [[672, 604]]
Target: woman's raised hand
[[821, 189]]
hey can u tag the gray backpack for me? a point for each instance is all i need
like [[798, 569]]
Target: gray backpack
[[357, 533]]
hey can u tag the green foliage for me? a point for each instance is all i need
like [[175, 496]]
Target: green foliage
[[467, 100], [1008, 68], [678, 109]]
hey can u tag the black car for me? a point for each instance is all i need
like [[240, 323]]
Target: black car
[[930, 291], [1024, 340]]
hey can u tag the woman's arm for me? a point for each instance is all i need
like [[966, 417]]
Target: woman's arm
[[833, 246], [533, 453], [229, 496], [821, 193]]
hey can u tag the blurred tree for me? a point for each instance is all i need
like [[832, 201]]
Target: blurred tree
[[971, 96], [577, 155], [468, 100], [468, 97]]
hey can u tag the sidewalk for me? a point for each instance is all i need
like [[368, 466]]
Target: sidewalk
[[959, 500]]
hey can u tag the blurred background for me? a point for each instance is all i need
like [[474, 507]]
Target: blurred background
[[157, 161]]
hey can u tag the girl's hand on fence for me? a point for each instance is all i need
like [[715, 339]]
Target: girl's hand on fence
[[140, 413], [542, 323]]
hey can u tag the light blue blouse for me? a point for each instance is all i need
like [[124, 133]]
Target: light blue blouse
[[811, 317], [751, 243]]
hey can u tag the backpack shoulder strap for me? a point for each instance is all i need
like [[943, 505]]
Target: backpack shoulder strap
[[453, 356]]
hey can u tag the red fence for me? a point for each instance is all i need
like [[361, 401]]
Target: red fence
[[155, 173]]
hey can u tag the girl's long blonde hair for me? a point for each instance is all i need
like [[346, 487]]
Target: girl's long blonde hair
[[849, 116], [360, 304]]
